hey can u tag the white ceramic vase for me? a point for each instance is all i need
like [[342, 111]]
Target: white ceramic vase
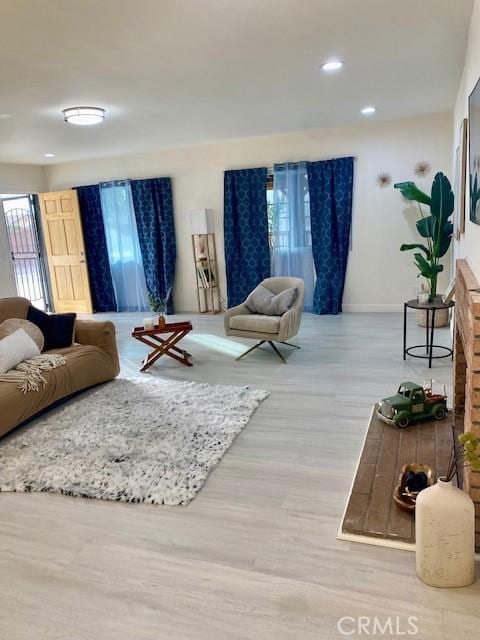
[[445, 536]]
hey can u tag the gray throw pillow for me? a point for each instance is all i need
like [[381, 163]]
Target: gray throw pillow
[[263, 301]]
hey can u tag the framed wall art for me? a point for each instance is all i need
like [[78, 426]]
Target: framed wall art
[[460, 180], [474, 152]]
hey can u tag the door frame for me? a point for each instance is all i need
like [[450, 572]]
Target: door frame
[[35, 203], [36, 229]]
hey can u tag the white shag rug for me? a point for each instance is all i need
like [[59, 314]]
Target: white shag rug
[[134, 440]]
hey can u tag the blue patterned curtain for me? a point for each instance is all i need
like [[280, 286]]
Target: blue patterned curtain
[[330, 183], [247, 252], [153, 204], [101, 286]]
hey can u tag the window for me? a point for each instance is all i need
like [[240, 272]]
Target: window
[[277, 212], [290, 237], [270, 208], [126, 265]]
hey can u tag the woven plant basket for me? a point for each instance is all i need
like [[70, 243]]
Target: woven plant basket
[[442, 317]]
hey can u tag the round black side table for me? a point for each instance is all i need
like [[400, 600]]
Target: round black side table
[[429, 308]]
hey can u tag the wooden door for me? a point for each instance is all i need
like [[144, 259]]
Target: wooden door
[[62, 230]]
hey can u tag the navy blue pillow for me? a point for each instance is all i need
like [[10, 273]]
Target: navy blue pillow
[[57, 328]]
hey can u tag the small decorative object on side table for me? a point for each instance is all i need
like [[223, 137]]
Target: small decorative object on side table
[[173, 332], [148, 324], [159, 306], [430, 308]]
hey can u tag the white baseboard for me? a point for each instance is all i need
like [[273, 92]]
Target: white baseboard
[[373, 308], [347, 308]]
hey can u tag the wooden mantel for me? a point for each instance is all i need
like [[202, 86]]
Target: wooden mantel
[[466, 383]]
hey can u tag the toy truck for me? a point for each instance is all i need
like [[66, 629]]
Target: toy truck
[[411, 403]]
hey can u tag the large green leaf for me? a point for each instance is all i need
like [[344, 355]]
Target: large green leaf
[[441, 209], [426, 227], [427, 269], [422, 247], [410, 191], [437, 226], [442, 201], [445, 240]]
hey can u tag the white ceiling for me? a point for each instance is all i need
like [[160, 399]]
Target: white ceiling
[[179, 72]]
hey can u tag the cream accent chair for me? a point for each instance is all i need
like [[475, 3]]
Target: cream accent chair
[[240, 322]]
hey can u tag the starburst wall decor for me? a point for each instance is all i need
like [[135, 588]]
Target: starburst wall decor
[[384, 180], [422, 169]]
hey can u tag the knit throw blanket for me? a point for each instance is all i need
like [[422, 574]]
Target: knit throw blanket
[[28, 374]]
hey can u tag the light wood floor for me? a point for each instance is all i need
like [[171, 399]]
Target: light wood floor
[[254, 556]]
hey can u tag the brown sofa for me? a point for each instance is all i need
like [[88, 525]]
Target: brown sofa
[[91, 360]]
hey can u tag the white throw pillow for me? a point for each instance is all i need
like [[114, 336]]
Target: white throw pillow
[[16, 348], [11, 325]]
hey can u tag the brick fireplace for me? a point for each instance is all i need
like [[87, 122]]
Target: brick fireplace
[[466, 374]]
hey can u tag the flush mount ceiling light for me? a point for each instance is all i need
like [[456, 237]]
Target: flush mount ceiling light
[[331, 66], [48, 155], [84, 115], [368, 111]]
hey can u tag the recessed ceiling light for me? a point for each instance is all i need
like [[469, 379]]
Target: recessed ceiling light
[[48, 155], [84, 115], [368, 111], [332, 66]]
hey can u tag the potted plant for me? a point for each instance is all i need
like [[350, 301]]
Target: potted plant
[[159, 306], [435, 228], [471, 447]]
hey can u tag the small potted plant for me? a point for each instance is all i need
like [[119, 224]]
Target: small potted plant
[[436, 229], [159, 306], [471, 448]]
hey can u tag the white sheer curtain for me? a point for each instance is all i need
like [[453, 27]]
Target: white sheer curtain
[[291, 253], [123, 247]]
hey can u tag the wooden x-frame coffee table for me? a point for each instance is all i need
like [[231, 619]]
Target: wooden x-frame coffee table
[[174, 332]]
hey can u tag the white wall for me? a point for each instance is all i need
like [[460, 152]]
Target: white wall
[[469, 244], [379, 276], [15, 178]]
